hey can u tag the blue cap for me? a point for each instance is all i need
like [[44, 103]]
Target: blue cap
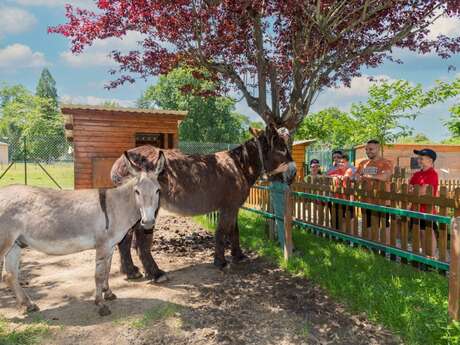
[[427, 152]]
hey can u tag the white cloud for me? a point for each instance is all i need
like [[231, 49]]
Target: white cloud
[[92, 100], [359, 86], [448, 26], [98, 53], [18, 56], [15, 20], [87, 59]]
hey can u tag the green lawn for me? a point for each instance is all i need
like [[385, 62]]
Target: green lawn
[[411, 303], [63, 173]]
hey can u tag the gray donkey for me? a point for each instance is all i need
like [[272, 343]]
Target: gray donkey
[[65, 222]]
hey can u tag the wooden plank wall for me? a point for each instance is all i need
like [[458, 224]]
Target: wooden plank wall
[[298, 154], [107, 134]]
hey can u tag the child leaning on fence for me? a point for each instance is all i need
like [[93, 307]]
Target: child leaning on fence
[[426, 176]]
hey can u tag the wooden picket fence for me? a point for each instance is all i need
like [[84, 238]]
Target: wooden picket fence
[[402, 175], [381, 216]]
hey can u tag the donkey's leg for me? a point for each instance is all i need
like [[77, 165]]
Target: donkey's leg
[[127, 265], [224, 227], [12, 278], [237, 253], [101, 276], [144, 240], [108, 294]]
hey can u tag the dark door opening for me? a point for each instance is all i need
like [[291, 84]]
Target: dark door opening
[[154, 139]]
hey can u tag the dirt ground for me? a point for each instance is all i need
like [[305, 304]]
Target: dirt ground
[[250, 303]]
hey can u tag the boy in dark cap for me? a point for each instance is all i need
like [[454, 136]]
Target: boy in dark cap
[[426, 176]]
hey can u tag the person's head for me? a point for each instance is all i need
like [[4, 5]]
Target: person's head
[[284, 134], [336, 157], [315, 167], [426, 158], [373, 149], [345, 159]]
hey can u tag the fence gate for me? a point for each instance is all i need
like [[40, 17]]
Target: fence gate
[[37, 161]]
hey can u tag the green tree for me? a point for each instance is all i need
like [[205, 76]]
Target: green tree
[[453, 124], [111, 104], [210, 118], [46, 87], [330, 126], [418, 138], [23, 117], [380, 117], [440, 93]]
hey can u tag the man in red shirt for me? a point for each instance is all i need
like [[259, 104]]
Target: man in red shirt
[[425, 177]]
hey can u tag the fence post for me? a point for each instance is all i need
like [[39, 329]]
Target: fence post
[[288, 205], [454, 270], [25, 160]]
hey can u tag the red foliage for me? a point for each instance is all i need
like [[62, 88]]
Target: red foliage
[[281, 52]]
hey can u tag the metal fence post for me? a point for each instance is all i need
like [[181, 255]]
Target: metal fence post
[[25, 160]]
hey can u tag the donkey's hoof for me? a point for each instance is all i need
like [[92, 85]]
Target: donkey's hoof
[[110, 296], [219, 263], [104, 311], [239, 258], [32, 308], [134, 276], [158, 277]]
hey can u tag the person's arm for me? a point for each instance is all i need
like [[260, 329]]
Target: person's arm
[[385, 174]]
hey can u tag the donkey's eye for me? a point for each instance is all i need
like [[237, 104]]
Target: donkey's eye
[[137, 192]]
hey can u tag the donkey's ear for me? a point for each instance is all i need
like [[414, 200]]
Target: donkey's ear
[[160, 163], [255, 131], [132, 169]]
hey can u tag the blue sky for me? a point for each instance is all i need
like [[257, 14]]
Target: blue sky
[[26, 47]]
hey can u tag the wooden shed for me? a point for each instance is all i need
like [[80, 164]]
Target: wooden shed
[[3, 153], [100, 135], [299, 155]]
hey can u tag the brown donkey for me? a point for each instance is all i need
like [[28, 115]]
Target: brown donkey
[[199, 184]]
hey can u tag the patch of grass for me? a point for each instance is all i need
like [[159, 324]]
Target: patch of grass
[[304, 331], [161, 312], [63, 173], [409, 302], [23, 335]]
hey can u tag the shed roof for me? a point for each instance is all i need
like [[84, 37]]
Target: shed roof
[[3, 144], [69, 108], [303, 142]]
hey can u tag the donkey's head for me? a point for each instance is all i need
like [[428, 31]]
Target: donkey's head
[[274, 154], [146, 190]]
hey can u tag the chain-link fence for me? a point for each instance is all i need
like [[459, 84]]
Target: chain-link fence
[[38, 161], [193, 147]]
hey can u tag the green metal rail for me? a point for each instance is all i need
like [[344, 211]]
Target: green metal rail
[[372, 207]]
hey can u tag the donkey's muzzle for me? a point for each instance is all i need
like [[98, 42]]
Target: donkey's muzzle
[[148, 225]]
